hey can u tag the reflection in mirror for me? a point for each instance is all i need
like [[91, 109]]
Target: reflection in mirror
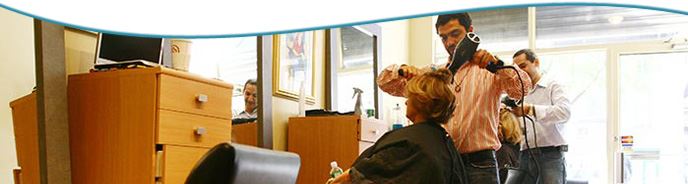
[[232, 60], [354, 70]]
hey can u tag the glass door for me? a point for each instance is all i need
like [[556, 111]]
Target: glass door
[[653, 109]]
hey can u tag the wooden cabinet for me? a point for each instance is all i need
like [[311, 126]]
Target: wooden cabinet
[[321, 140], [245, 133], [26, 138], [144, 125]]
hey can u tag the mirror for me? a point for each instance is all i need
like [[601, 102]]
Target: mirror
[[354, 65], [232, 60]]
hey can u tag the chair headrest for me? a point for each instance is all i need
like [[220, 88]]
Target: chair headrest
[[237, 163]]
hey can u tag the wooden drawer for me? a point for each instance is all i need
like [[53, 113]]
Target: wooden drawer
[[195, 97], [372, 129], [178, 162], [179, 128]]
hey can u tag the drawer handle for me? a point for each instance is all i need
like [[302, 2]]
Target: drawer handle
[[375, 132], [202, 98], [158, 164], [200, 131]]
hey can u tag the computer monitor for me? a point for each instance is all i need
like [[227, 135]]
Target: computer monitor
[[118, 50], [114, 48]]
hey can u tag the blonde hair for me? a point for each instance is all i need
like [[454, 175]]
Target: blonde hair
[[432, 96], [510, 130]]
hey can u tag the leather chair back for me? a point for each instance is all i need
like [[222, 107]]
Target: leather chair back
[[235, 163]]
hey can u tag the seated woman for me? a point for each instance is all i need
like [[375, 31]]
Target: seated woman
[[510, 136], [420, 153]]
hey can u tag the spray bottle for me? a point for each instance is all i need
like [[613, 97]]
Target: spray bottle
[[357, 107], [302, 100]]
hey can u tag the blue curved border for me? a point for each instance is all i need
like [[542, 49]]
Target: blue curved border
[[351, 23]]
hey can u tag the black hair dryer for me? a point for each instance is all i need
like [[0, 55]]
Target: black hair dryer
[[464, 51]]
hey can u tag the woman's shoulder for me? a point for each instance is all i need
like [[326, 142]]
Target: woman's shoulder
[[423, 131], [411, 137], [421, 138], [419, 129]]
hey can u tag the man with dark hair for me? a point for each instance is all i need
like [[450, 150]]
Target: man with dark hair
[[548, 107], [473, 127], [464, 20], [250, 101], [529, 55]]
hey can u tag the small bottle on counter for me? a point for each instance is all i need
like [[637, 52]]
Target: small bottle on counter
[[397, 119], [335, 171]]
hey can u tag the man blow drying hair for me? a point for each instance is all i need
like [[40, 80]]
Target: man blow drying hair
[[473, 127]]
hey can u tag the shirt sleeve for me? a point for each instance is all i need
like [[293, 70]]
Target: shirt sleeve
[[390, 82], [558, 112], [508, 81]]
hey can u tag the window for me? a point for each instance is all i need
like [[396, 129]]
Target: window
[[583, 76], [357, 49], [559, 26], [653, 111], [233, 60], [355, 70], [353, 63], [499, 30], [576, 44]]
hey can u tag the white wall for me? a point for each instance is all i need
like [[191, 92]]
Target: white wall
[[420, 41], [17, 78], [80, 50], [405, 42]]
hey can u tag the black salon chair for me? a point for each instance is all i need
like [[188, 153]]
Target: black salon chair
[[235, 163]]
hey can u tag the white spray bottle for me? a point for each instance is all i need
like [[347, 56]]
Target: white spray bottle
[[302, 100], [357, 106]]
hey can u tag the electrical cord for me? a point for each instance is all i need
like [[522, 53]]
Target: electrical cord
[[525, 129], [532, 123]]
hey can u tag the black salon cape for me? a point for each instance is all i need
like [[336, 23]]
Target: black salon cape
[[420, 153]]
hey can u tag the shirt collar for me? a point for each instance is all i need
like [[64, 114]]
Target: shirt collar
[[255, 110], [544, 80], [542, 83]]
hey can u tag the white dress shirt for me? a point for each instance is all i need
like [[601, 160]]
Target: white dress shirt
[[551, 113], [245, 115]]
